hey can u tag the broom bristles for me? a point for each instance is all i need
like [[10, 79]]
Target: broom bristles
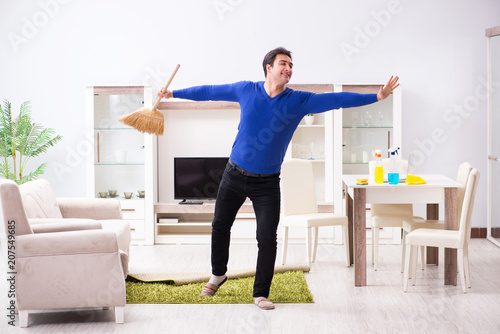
[[145, 120]]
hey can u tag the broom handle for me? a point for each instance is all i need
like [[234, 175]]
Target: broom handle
[[166, 86]]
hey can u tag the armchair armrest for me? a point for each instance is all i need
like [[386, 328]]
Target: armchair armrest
[[66, 243], [50, 225], [91, 208]]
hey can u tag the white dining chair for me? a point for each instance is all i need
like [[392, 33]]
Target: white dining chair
[[415, 223], [387, 215], [299, 208], [457, 239]]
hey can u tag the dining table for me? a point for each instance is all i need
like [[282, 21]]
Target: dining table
[[438, 189]]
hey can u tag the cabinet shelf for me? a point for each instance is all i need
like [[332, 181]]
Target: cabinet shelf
[[367, 127], [311, 126], [119, 164], [115, 129]]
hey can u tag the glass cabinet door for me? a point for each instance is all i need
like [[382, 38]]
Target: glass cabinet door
[[118, 149], [121, 165], [366, 129]]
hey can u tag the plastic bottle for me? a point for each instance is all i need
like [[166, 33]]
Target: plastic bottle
[[393, 172], [379, 168]]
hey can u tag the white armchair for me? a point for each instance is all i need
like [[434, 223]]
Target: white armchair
[[73, 269]]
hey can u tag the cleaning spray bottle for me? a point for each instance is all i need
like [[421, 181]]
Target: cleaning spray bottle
[[379, 168], [393, 172]]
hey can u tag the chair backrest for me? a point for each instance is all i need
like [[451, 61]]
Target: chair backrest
[[12, 209], [462, 176], [298, 191], [468, 204], [397, 210], [39, 200]]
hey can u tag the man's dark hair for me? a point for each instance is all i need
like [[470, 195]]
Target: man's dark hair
[[271, 56]]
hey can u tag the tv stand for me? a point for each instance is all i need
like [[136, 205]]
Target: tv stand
[[190, 202]]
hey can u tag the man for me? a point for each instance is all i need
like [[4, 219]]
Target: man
[[270, 113]]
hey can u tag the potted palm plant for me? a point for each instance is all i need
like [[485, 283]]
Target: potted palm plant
[[20, 140]]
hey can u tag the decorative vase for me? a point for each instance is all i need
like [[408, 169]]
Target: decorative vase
[[309, 119]]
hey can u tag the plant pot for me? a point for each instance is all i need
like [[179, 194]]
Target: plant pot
[[309, 119]]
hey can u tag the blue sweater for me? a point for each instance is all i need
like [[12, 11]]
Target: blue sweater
[[267, 124]]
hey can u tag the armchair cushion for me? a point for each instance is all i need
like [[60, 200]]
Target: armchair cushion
[[73, 242], [91, 208], [39, 200], [49, 225], [46, 213]]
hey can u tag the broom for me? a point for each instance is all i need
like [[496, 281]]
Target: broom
[[146, 119]]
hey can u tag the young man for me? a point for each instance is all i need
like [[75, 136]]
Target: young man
[[270, 113]]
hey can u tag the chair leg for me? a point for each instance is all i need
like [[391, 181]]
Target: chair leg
[[403, 249], [461, 273], [346, 243], [406, 275], [422, 257], [466, 266], [23, 318], [375, 247], [119, 314], [308, 245], [315, 249], [285, 245], [413, 266]]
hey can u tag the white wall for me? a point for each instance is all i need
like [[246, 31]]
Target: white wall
[[52, 49]]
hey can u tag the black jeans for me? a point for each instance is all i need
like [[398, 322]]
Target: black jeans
[[264, 192]]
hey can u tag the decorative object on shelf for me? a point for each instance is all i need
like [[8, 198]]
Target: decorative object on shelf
[[112, 193], [141, 193], [309, 119], [311, 150], [355, 118], [128, 195], [380, 118], [21, 140], [149, 120], [368, 118], [102, 194]]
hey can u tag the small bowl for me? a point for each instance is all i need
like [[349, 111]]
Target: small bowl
[[102, 194], [112, 193], [128, 195], [141, 193]]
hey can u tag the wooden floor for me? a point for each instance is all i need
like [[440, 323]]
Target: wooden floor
[[381, 307]]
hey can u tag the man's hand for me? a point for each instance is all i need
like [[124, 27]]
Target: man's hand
[[167, 94], [385, 91]]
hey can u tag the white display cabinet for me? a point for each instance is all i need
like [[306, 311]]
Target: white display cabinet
[[313, 141], [357, 132], [122, 158]]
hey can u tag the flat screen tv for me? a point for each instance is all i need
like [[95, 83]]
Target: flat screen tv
[[197, 178]]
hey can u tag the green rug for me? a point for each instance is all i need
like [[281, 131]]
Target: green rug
[[287, 287]]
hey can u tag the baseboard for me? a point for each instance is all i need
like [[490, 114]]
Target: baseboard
[[479, 232], [495, 232]]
